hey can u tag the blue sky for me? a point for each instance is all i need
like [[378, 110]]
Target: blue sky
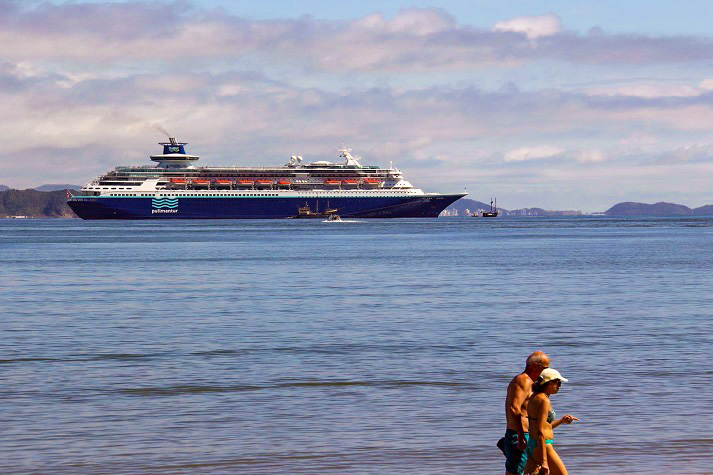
[[557, 104]]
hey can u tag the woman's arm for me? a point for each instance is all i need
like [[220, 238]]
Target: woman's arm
[[567, 419], [542, 410]]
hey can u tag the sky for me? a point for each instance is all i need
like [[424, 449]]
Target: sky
[[549, 103]]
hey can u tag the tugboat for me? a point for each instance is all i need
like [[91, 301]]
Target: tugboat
[[306, 212], [493, 213]]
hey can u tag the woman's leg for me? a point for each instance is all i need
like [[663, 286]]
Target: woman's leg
[[555, 462]]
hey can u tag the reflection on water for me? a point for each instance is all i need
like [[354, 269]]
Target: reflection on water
[[370, 347]]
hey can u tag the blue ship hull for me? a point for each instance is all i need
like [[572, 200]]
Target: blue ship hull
[[101, 207]]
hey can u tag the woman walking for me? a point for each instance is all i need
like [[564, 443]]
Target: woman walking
[[542, 458]]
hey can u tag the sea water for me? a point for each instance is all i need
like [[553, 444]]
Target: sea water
[[373, 347]]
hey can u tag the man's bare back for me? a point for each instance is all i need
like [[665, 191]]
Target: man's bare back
[[518, 396]]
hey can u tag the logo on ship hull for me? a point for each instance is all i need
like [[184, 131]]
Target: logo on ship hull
[[164, 205]]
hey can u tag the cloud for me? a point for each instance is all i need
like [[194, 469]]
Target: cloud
[[690, 153], [531, 26], [648, 89], [531, 153], [589, 156], [173, 33], [77, 132]]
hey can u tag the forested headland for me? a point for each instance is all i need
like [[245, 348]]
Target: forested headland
[[34, 204]]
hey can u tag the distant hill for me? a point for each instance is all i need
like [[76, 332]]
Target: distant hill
[[706, 210], [4, 188], [34, 204], [642, 209], [57, 187]]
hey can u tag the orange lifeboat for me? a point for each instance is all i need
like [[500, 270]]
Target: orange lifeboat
[[200, 182], [263, 182], [224, 182], [332, 182], [246, 182], [372, 182], [350, 182], [178, 181], [284, 183]]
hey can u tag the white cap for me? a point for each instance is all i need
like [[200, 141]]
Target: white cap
[[550, 374]]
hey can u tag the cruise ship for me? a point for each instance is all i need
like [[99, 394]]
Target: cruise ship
[[176, 188]]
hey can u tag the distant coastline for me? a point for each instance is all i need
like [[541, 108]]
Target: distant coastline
[[49, 201], [466, 207]]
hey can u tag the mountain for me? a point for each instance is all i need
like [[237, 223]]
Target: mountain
[[706, 210], [34, 204], [4, 188], [642, 209], [57, 187]]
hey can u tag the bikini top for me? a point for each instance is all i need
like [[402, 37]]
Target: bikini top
[[550, 417]]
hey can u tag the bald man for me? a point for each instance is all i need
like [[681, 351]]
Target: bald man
[[519, 391]]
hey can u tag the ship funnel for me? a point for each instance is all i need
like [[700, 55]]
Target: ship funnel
[[173, 147], [174, 155]]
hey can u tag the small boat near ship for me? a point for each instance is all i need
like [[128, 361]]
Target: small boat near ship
[[306, 212], [493, 213]]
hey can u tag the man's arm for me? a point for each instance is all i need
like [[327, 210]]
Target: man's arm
[[520, 392]]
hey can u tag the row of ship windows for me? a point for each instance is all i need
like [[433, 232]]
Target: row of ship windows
[[209, 194]]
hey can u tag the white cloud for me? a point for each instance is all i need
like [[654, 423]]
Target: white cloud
[[530, 153], [531, 26], [589, 156], [412, 21], [648, 89], [426, 39]]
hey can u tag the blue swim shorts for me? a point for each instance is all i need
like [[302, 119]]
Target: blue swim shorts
[[515, 459]]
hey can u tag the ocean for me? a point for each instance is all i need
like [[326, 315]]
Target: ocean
[[368, 347]]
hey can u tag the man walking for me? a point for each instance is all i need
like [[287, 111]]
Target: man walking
[[519, 391]]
